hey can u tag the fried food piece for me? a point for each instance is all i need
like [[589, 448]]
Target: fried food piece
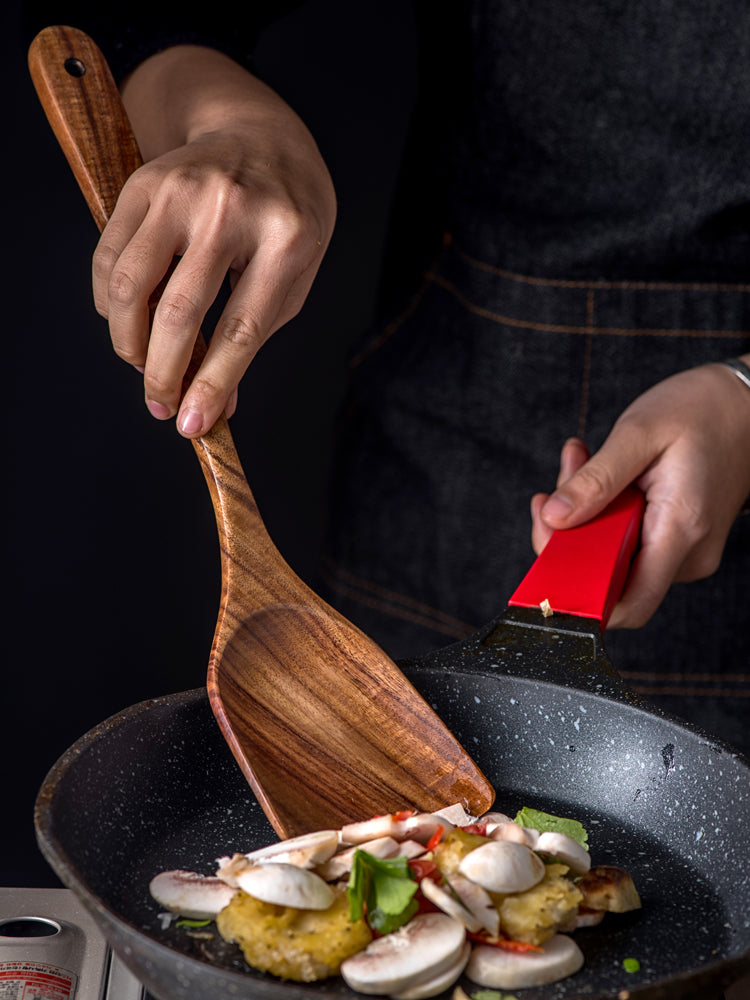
[[302, 945], [536, 915], [607, 887]]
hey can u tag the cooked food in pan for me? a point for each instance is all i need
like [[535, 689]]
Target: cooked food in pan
[[402, 905]]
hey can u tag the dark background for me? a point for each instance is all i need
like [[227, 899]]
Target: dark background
[[112, 563]]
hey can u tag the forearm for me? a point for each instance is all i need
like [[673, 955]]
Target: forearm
[[187, 91]]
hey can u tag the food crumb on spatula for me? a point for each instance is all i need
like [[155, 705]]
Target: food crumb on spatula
[[546, 608]]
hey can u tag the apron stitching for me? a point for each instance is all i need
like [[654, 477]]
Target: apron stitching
[[384, 599], [613, 331], [390, 329], [586, 374], [660, 286], [375, 344]]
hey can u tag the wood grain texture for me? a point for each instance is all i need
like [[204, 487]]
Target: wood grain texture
[[324, 725]]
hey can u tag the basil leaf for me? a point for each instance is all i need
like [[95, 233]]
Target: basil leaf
[[383, 889], [546, 822], [384, 923]]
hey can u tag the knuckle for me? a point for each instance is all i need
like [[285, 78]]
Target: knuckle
[[158, 386], [240, 331], [694, 523], [597, 481], [294, 232], [123, 288], [204, 392], [103, 261], [177, 311]]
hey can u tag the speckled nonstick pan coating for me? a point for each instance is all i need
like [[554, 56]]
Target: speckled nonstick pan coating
[[156, 787]]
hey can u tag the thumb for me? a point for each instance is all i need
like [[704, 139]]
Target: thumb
[[619, 462]]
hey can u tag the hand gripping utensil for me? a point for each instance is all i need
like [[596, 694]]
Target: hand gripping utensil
[[324, 725], [551, 630]]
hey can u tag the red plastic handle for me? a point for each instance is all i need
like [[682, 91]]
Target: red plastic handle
[[582, 571]]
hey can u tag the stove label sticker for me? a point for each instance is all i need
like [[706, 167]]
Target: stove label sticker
[[35, 981]]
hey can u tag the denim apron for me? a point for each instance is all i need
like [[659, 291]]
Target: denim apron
[[560, 246]]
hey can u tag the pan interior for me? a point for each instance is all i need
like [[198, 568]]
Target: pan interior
[[156, 788]]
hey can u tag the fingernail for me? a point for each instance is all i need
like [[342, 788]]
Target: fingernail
[[158, 410], [140, 368], [191, 421], [558, 506]]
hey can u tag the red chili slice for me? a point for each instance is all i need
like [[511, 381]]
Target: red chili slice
[[478, 828], [505, 943], [435, 839], [424, 868]]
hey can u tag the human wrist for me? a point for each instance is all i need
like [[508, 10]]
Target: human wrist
[[185, 91], [740, 368]]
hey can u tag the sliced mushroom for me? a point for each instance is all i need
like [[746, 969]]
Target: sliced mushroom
[[508, 970], [607, 887], [425, 825], [305, 851], [199, 897], [584, 918], [286, 885], [455, 814], [446, 901], [515, 834], [372, 829], [341, 863], [502, 866], [565, 849], [478, 901], [425, 947], [495, 818], [437, 984]]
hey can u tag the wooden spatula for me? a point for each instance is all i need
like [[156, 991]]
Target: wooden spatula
[[324, 725]]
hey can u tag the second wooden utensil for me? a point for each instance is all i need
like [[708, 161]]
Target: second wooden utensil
[[324, 725]]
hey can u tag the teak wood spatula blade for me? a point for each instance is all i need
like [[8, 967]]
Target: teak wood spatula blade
[[324, 725]]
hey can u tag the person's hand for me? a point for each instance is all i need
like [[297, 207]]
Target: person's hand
[[686, 444], [233, 184]]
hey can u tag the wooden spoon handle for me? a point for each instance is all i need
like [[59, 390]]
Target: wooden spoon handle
[[84, 108]]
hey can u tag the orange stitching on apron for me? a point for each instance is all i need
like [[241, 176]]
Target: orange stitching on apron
[[391, 602], [659, 286], [389, 330], [612, 331]]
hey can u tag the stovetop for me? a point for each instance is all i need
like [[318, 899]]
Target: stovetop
[[50, 947]]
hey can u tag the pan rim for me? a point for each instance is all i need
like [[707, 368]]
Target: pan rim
[[720, 973]]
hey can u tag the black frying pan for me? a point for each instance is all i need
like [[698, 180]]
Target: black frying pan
[[156, 787]]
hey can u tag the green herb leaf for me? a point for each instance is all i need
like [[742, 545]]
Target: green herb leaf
[[631, 964], [384, 922], [492, 995], [184, 922], [545, 822], [383, 890]]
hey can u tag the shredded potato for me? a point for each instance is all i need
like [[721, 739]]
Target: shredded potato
[[303, 945]]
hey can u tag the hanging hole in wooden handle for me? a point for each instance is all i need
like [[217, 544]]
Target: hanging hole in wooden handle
[[74, 67]]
